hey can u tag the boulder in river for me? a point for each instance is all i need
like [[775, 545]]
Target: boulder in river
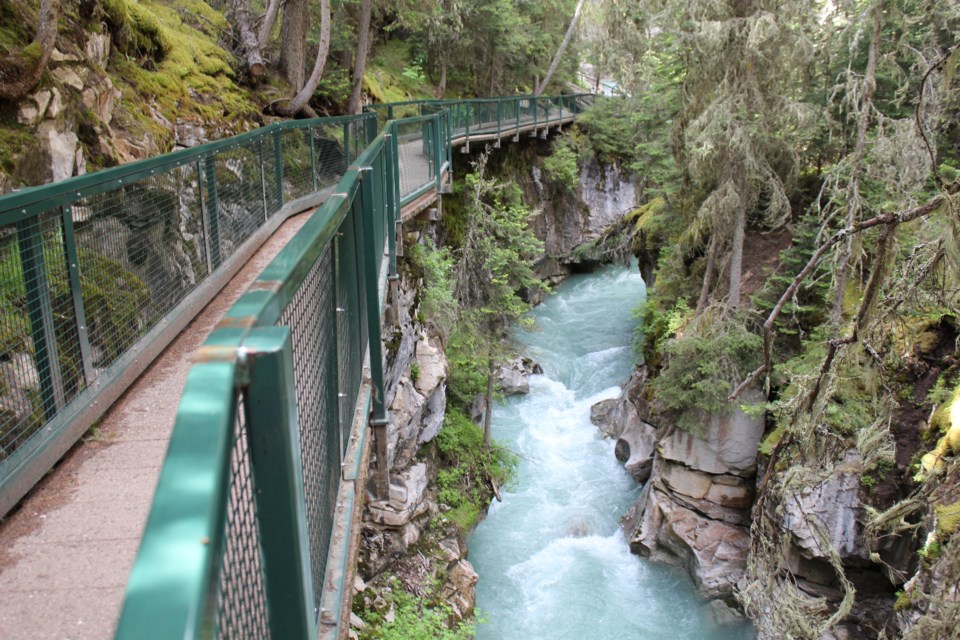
[[513, 377]]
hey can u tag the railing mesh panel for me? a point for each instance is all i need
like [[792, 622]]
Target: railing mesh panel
[[329, 149], [241, 605], [414, 156], [141, 250], [311, 317], [349, 322], [42, 368], [240, 205]]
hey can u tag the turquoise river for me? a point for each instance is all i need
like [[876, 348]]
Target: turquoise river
[[552, 560]]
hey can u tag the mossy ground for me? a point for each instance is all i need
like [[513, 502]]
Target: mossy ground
[[392, 75], [167, 60], [13, 140], [193, 81], [15, 20]]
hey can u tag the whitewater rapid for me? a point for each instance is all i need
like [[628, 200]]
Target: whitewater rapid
[[552, 560]]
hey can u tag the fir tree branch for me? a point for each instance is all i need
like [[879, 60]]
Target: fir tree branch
[[890, 218]]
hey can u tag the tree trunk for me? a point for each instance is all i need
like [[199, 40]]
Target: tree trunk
[[293, 41], [299, 101], [488, 402], [854, 205], [442, 86], [736, 258], [240, 11], [20, 72], [363, 44], [563, 46], [708, 274], [269, 19]]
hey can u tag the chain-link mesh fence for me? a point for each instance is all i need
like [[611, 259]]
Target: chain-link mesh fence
[[90, 266], [325, 287], [241, 600], [312, 317]]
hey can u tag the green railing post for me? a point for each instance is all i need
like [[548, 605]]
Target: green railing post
[[346, 144], [390, 158], [371, 274], [271, 408], [73, 268], [499, 117], [449, 142], [535, 115], [437, 149], [278, 166], [371, 270], [263, 181], [313, 158], [396, 186], [517, 102], [40, 311], [212, 209]]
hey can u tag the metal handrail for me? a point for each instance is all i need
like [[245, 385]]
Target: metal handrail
[[265, 448], [72, 251]]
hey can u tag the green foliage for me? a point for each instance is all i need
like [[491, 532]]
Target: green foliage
[[392, 74], [414, 617], [807, 308], [514, 40], [16, 22], [948, 519], [466, 351], [436, 294], [561, 164], [335, 86], [657, 326], [609, 129], [903, 601], [467, 468], [113, 297], [114, 300], [703, 364], [496, 249], [415, 371], [14, 139]]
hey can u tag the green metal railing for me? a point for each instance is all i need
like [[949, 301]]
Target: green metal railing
[[98, 273], [238, 539], [491, 117], [249, 532]]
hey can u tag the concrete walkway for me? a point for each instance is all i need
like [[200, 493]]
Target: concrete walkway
[[66, 551]]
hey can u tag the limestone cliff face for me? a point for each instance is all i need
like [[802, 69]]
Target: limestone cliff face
[[393, 529], [814, 540], [565, 219], [695, 507]]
